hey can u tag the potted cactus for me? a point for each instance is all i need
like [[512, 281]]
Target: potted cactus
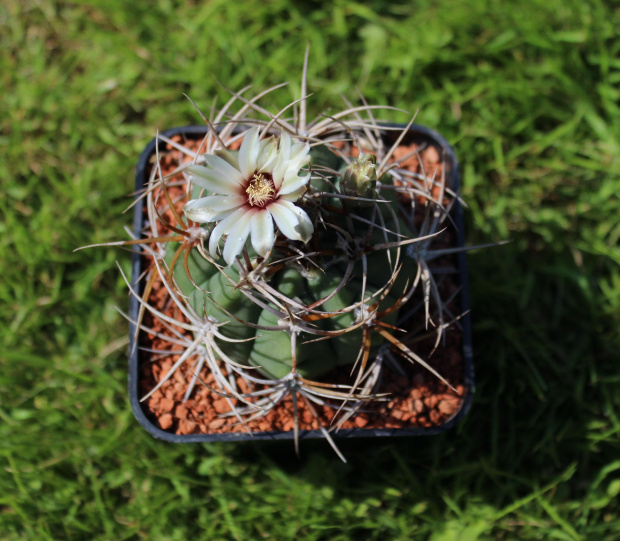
[[298, 279]]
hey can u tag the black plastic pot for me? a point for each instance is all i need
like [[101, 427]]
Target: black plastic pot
[[418, 134]]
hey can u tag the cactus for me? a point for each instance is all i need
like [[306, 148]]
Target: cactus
[[288, 257]]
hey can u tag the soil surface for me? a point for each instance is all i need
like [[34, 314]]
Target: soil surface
[[416, 398]]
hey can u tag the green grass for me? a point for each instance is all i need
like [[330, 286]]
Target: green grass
[[528, 94]]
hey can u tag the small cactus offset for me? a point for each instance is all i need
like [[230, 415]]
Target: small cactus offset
[[294, 248]]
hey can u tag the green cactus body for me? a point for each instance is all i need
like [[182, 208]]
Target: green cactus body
[[348, 345], [379, 269], [217, 286], [271, 350]]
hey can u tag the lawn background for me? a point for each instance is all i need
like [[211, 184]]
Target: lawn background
[[527, 92]]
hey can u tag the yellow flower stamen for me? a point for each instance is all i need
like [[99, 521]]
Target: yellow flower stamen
[[261, 190]]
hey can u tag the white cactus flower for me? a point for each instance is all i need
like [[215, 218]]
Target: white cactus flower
[[251, 189]]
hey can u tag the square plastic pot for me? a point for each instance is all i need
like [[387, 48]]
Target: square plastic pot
[[417, 134]]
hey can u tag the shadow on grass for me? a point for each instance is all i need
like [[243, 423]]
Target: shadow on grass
[[545, 390]]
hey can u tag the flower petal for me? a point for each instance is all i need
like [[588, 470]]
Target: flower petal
[[226, 172], [268, 155], [210, 180], [248, 153], [293, 196], [223, 227], [237, 236], [284, 153], [231, 156], [293, 185], [300, 155], [292, 221], [212, 208], [263, 234]]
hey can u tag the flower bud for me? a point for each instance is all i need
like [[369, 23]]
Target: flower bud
[[359, 179]]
